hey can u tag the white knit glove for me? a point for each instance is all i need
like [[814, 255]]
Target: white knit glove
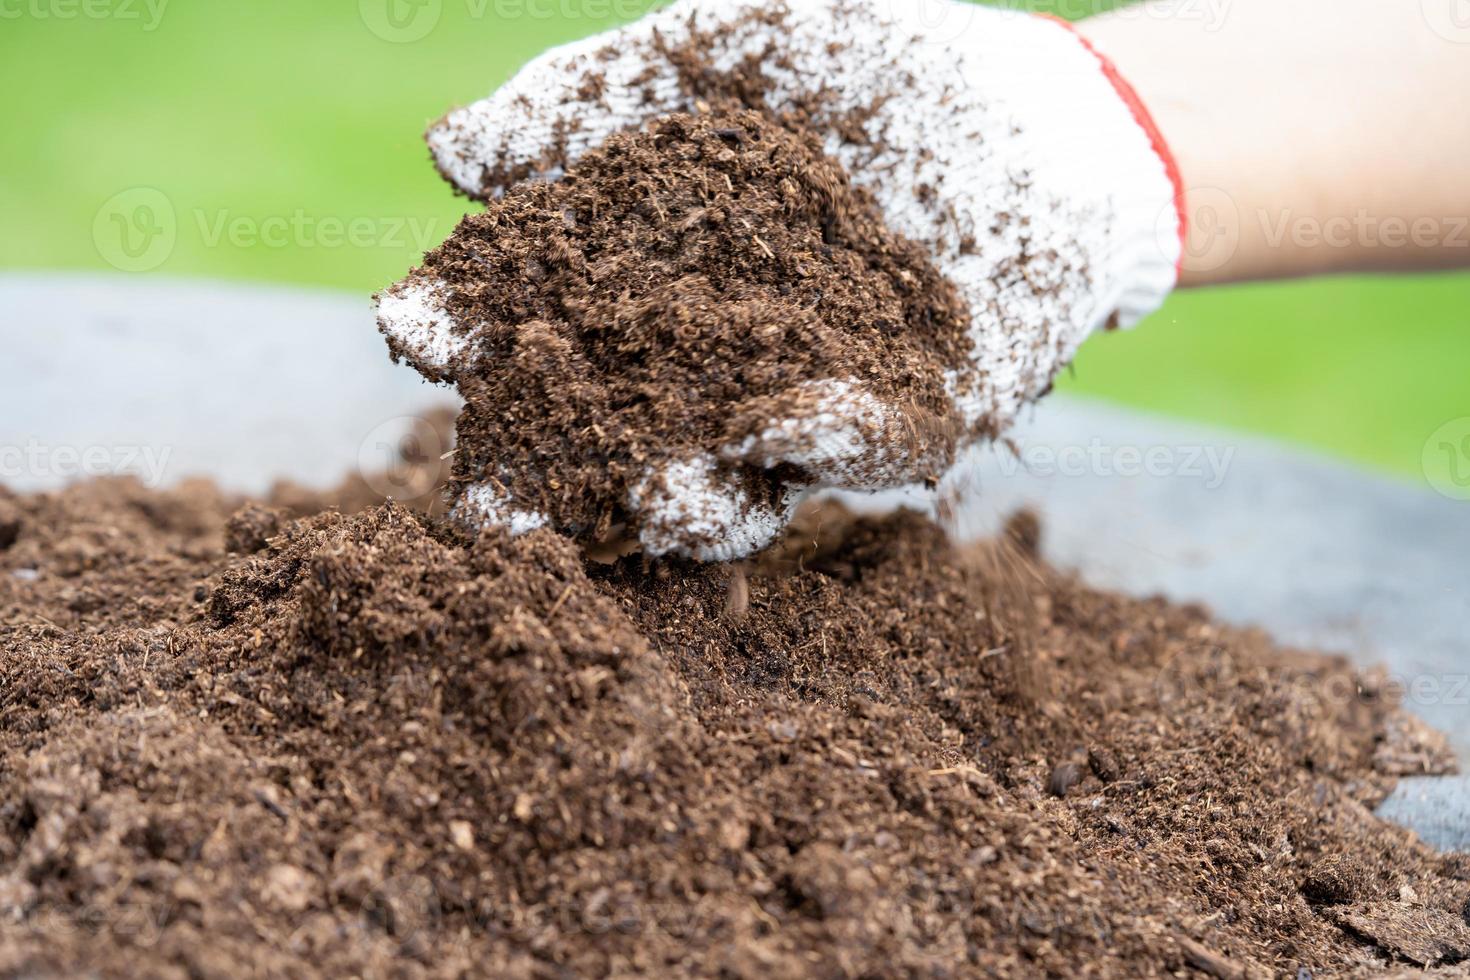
[[999, 140]]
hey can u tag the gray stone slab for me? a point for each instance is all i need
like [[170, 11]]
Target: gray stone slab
[[250, 383], [1437, 809], [174, 378]]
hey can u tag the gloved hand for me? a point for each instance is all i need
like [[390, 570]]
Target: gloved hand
[[1000, 141]]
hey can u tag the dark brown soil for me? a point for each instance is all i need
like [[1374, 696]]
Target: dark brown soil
[[668, 296], [364, 745]]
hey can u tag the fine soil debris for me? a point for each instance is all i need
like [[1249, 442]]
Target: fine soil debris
[[271, 739]]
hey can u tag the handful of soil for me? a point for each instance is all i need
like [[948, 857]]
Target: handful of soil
[[669, 296]]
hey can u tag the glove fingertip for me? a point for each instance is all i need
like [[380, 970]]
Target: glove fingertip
[[840, 434], [697, 509], [419, 328], [451, 151], [484, 505], [412, 315]]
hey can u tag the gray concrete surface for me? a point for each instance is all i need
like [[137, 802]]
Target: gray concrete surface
[[249, 384], [174, 378]]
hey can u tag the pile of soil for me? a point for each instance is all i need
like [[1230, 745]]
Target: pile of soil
[[332, 735], [669, 296], [237, 741]]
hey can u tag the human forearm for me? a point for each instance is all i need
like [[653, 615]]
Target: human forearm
[[1313, 136]]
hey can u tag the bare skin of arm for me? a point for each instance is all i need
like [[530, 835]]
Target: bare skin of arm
[[1314, 136]]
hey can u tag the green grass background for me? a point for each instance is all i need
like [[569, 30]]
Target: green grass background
[[282, 108]]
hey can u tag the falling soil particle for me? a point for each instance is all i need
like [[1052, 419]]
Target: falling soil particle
[[9, 524], [1063, 778], [275, 739]]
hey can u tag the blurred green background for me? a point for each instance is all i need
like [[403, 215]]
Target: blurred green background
[[284, 139]]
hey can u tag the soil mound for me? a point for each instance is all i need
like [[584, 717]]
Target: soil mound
[[366, 744]]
